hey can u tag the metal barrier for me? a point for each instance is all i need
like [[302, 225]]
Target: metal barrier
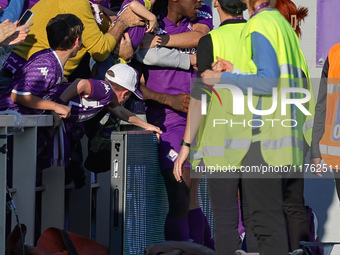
[[61, 206], [24, 170]]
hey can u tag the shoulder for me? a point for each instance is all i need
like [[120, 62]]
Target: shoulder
[[204, 16], [80, 8], [205, 12], [42, 58]]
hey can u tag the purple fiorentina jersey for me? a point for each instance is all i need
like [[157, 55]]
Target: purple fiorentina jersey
[[175, 81], [172, 81], [136, 33], [86, 107], [40, 76]]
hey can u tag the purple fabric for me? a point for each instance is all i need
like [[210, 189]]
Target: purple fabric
[[82, 108], [40, 76], [327, 28], [105, 3], [173, 82], [173, 126], [196, 225], [28, 4], [240, 222], [176, 230], [13, 63], [136, 33], [205, 16], [208, 239]]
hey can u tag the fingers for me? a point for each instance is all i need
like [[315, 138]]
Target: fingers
[[158, 137], [127, 38], [221, 60], [177, 171]]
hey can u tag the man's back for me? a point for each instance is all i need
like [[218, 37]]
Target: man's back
[[95, 42]]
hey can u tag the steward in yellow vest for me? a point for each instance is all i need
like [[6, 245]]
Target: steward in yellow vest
[[228, 136]]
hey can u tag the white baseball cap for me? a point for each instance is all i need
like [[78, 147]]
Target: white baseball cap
[[125, 76]]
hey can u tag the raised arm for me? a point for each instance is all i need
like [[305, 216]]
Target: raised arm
[[143, 12], [186, 39]]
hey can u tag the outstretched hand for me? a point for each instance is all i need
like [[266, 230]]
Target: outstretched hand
[[155, 129], [131, 19], [62, 110], [222, 65]]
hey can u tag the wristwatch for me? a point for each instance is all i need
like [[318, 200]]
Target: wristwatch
[[185, 144]]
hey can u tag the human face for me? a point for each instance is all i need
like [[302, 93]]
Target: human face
[[190, 8]]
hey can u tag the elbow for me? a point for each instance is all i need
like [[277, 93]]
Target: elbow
[[14, 98], [101, 56]]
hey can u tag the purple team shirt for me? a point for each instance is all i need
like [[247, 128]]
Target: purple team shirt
[[86, 107], [173, 82], [136, 33], [40, 76]]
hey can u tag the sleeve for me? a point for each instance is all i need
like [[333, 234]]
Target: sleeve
[[100, 91], [205, 54], [163, 57], [265, 59], [98, 44], [205, 16], [320, 113], [39, 79], [12, 11]]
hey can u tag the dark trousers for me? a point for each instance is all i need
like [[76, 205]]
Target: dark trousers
[[223, 194], [295, 210], [265, 199]]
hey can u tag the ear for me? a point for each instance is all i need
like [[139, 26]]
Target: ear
[[78, 42], [216, 3], [126, 94]]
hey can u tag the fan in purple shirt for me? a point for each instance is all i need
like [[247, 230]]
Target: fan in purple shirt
[[40, 76], [33, 87]]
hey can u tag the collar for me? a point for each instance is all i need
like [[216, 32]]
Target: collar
[[232, 21], [57, 57]]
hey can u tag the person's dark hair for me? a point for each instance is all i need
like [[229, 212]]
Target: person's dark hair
[[63, 30], [160, 6], [234, 9]]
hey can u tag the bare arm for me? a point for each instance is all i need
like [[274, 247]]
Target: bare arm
[[110, 14], [141, 11], [127, 19], [130, 117], [186, 39], [78, 87], [194, 119], [178, 102], [34, 102]]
